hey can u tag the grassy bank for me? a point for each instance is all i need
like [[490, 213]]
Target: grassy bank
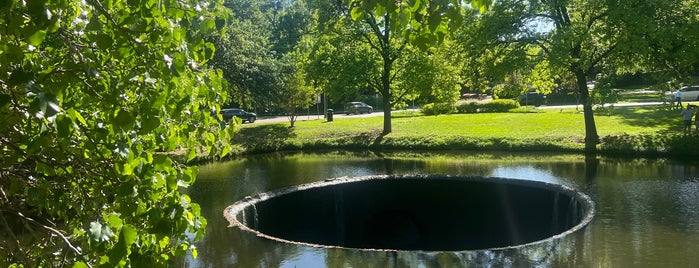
[[624, 130]]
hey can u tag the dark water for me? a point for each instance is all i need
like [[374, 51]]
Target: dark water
[[647, 210]]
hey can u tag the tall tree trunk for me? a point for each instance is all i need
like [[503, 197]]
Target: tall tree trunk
[[386, 55], [591, 137], [387, 115], [386, 92]]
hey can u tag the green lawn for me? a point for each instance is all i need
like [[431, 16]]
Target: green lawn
[[624, 129], [514, 125]]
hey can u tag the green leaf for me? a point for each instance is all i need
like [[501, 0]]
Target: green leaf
[[48, 104], [80, 265], [189, 175], [75, 116], [191, 153], [103, 41], [5, 100], [434, 20], [149, 124], [194, 252], [129, 235], [171, 182], [207, 26], [164, 242], [63, 127], [36, 38], [178, 63], [20, 77], [124, 120], [114, 220], [162, 162], [357, 13]]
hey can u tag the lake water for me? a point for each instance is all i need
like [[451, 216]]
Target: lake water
[[647, 209]]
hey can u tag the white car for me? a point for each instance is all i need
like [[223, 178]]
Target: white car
[[689, 93]]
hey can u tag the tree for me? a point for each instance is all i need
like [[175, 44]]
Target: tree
[[251, 51], [586, 38], [94, 94], [391, 25], [244, 54], [297, 94], [430, 76]]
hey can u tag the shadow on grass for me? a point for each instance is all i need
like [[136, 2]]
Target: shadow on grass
[[654, 144], [659, 117], [264, 136]]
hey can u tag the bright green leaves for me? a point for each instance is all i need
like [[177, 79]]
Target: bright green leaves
[[423, 23], [357, 13], [91, 114], [162, 162], [189, 175], [208, 26], [37, 37]]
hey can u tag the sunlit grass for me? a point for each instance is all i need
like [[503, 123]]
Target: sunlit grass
[[544, 130]]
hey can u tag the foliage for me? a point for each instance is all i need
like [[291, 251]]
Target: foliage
[[498, 106], [341, 66], [388, 27], [92, 95], [587, 39], [243, 54], [423, 23], [495, 106], [430, 76], [251, 50], [634, 131], [297, 94], [467, 107], [437, 108]]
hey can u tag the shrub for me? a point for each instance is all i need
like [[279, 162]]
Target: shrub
[[467, 107], [495, 106], [499, 106], [438, 108]]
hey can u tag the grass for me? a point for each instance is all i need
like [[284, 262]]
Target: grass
[[623, 130]]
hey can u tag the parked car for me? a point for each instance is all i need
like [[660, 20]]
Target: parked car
[[689, 93], [532, 98], [228, 114], [472, 96], [358, 107]]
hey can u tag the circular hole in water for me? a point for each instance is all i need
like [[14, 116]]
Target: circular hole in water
[[427, 213]]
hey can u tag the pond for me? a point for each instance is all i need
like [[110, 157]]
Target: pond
[[647, 210]]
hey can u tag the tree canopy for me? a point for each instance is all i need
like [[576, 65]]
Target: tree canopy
[[93, 93], [590, 40]]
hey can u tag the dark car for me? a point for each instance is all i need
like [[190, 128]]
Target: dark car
[[532, 98], [228, 114], [358, 107]]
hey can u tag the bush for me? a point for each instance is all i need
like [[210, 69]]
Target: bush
[[499, 106], [438, 108], [467, 107], [496, 106]]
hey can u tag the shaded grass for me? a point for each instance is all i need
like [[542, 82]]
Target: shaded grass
[[628, 130]]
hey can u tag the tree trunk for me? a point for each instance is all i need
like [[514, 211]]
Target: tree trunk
[[387, 115], [591, 137]]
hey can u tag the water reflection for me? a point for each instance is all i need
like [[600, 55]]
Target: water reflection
[[647, 209]]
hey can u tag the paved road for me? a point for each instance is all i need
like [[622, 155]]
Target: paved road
[[304, 117], [277, 119]]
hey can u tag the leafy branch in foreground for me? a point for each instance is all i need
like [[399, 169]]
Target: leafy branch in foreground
[[93, 94]]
